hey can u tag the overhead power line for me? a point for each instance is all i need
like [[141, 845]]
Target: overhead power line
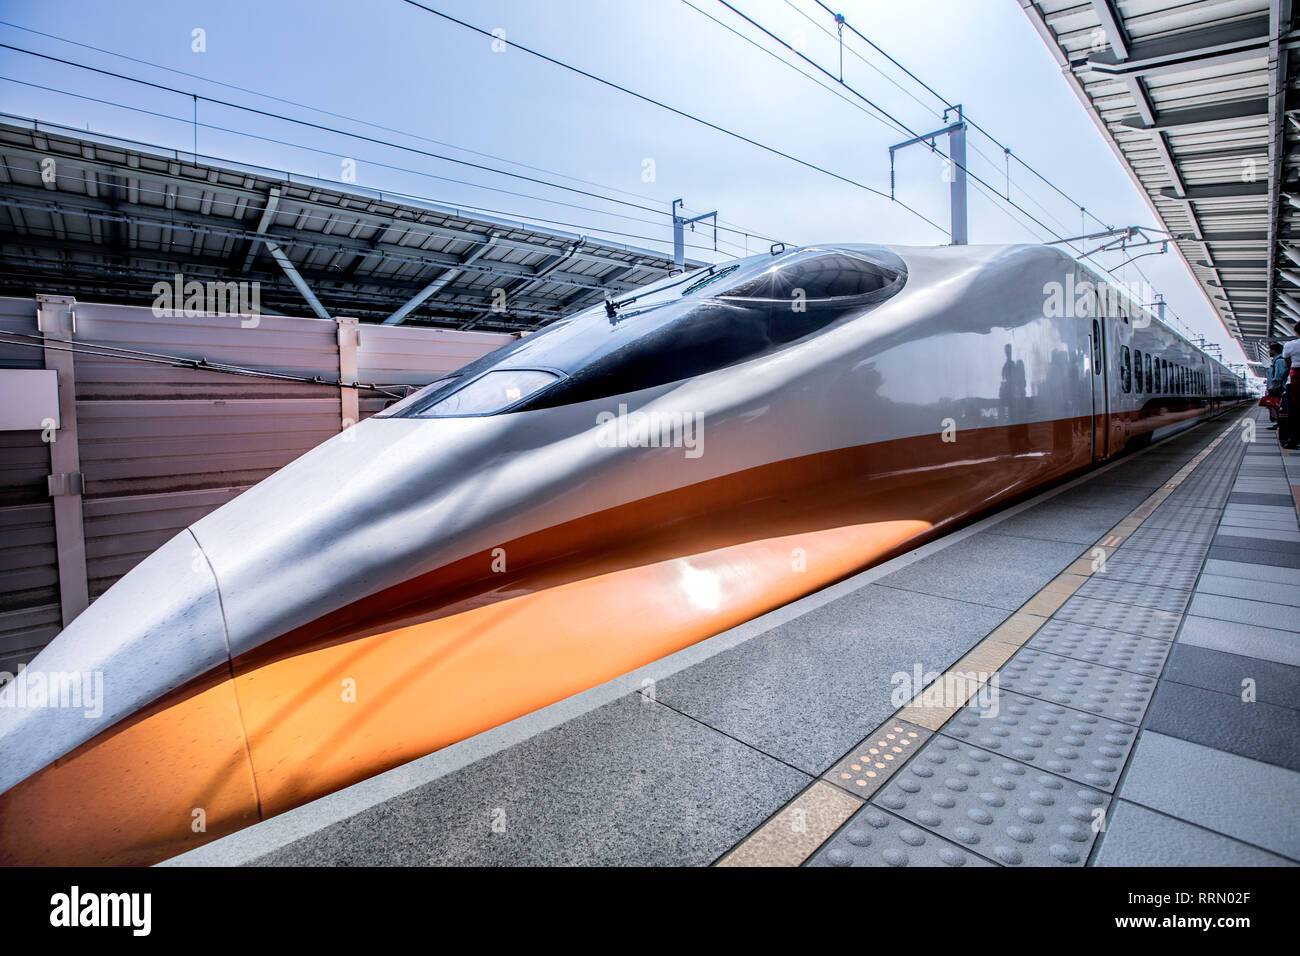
[[903, 126], [739, 230], [317, 126], [469, 207], [101, 350], [865, 39], [677, 111]]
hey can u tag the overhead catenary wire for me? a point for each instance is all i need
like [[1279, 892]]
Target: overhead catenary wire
[[394, 193], [738, 229], [302, 122], [1084, 212], [864, 110], [979, 183], [677, 111], [103, 350], [878, 115], [903, 126], [949, 105], [220, 128], [974, 147], [318, 109], [322, 127], [875, 116]]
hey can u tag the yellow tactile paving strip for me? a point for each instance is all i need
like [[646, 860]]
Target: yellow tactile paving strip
[[794, 833]]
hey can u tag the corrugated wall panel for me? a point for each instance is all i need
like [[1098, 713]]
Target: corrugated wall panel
[[400, 354], [121, 532], [416, 356], [140, 448], [29, 577]]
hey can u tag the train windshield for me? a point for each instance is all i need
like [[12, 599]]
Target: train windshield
[[672, 330], [815, 279]]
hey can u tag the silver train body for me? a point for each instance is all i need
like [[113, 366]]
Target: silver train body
[[603, 492]]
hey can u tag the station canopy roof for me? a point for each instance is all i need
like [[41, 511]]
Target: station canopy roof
[[110, 218], [1195, 98]]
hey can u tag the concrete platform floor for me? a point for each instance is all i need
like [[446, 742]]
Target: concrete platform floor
[[1111, 674]]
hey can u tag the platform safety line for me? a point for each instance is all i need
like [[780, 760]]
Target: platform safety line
[[802, 826]]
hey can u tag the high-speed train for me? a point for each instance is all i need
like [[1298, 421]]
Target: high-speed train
[[580, 502]]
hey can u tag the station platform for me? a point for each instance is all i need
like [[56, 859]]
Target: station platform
[[1105, 674]]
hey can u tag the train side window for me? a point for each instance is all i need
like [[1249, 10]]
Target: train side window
[[1126, 369], [1137, 366], [1096, 348], [1162, 384], [1149, 382]]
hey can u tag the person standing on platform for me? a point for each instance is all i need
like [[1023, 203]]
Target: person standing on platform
[[1288, 434], [1276, 379]]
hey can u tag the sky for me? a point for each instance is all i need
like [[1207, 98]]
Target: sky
[[417, 92]]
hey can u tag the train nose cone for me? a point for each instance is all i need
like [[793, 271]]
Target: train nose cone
[[157, 628]]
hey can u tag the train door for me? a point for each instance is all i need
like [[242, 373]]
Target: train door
[[1100, 391], [1120, 385]]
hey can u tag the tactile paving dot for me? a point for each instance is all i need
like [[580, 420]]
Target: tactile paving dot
[[875, 838], [874, 760], [1002, 809], [1106, 588], [1111, 693], [1083, 747], [1129, 618], [1100, 645]]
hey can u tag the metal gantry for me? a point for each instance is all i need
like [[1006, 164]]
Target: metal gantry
[[954, 170]]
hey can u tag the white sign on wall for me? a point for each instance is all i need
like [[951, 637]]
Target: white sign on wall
[[29, 399]]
